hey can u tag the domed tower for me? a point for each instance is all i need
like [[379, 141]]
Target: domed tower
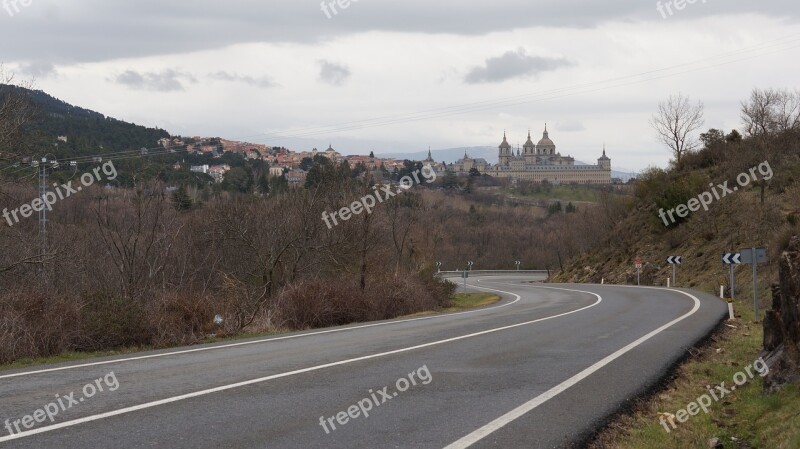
[[506, 153], [546, 146], [529, 150]]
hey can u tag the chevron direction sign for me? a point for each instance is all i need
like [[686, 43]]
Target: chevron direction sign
[[674, 260], [732, 258]]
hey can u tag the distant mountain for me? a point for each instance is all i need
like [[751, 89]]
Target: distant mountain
[[86, 131], [450, 155]]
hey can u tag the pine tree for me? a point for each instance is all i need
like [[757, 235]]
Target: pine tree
[[263, 184], [181, 200]]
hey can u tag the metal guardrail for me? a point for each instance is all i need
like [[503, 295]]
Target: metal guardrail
[[492, 272]]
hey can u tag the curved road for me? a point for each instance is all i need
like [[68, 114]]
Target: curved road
[[541, 369]]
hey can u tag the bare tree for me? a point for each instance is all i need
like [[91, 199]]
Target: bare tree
[[138, 235], [676, 120], [771, 111]]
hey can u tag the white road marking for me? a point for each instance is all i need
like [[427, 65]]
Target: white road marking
[[292, 373], [502, 421], [254, 342]]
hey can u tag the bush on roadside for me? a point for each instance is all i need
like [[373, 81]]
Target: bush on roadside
[[110, 321], [35, 324], [331, 302]]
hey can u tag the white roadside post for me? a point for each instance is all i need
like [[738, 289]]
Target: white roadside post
[[731, 316]]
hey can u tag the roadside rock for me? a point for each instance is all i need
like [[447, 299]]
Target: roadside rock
[[647, 275], [782, 323]]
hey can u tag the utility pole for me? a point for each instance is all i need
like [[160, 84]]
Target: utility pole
[[44, 165], [43, 209]]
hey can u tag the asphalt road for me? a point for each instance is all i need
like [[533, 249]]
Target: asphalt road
[[541, 369]]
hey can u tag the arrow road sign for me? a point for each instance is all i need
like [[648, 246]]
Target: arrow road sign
[[732, 258], [674, 260]]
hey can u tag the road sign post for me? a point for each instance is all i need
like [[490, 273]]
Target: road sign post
[[754, 256], [638, 270], [732, 259], [674, 261], [518, 263], [465, 275]]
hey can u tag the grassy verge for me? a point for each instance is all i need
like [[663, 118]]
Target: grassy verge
[[464, 301], [68, 357], [563, 193], [461, 302], [746, 418]]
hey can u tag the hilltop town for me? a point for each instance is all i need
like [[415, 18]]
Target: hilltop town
[[537, 163], [294, 165]]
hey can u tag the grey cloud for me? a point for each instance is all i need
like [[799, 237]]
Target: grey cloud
[[38, 69], [332, 73], [99, 30], [164, 81], [513, 64], [263, 81], [572, 126]]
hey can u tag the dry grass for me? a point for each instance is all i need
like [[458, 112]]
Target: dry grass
[[745, 419]]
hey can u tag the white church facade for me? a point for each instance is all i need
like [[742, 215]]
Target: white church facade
[[540, 162]]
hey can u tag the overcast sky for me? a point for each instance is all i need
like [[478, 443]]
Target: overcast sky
[[399, 76]]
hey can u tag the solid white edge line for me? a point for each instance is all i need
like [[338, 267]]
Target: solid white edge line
[[291, 373], [504, 420], [247, 343]]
